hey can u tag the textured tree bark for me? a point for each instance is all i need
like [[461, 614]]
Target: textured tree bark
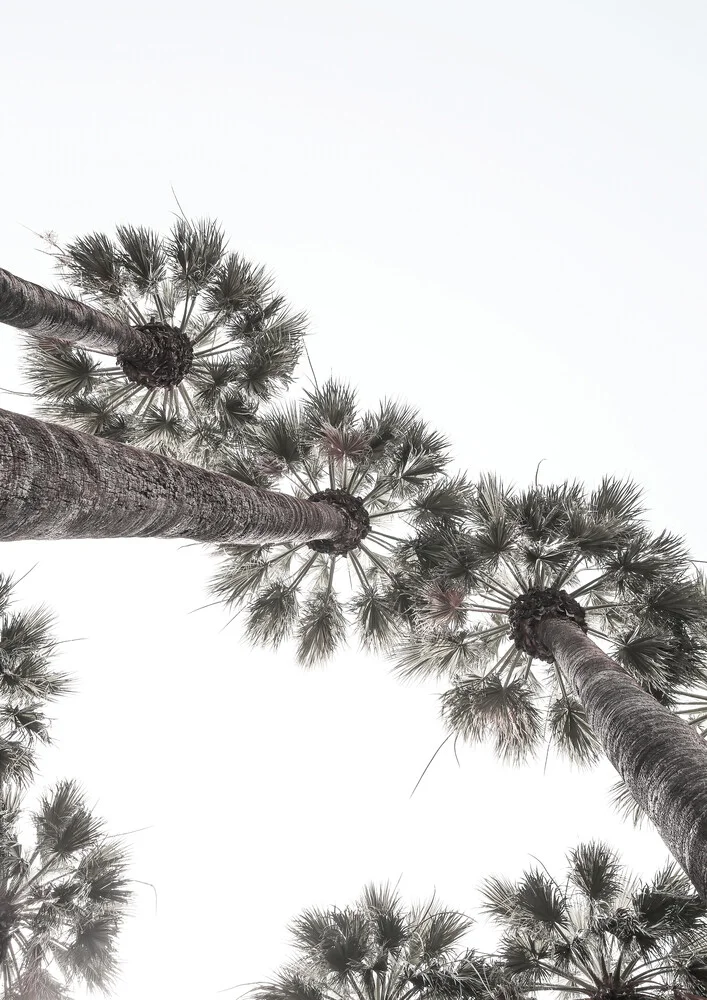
[[45, 314], [659, 756], [60, 483]]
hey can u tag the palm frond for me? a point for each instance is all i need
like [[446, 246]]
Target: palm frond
[[505, 711], [64, 824], [272, 614], [143, 258], [569, 729], [596, 871], [321, 630], [59, 372], [194, 251]]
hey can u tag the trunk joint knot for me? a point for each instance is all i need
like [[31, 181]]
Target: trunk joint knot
[[358, 522], [529, 609], [163, 359]]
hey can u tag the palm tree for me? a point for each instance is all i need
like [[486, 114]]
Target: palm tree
[[521, 635], [598, 933], [379, 950], [385, 468], [198, 336], [63, 896], [27, 682]]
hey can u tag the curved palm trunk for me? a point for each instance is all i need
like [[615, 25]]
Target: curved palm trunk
[[46, 314], [60, 483], [660, 757]]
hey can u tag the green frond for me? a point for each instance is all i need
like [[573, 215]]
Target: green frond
[[211, 379], [278, 434], [143, 258], [595, 870], [387, 425], [93, 264], [505, 711], [93, 415], [236, 286], [241, 576], [646, 560], [539, 900], [617, 498], [645, 655], [194, 251], [272, 614], [390, 925], [17, 762], [495, 539], [268, 363], [447, 500], [102, 875], [59, 372], [26, 721], [569, 729], [443, 654], [321, 630], [526, 956], [161, 429], [491, 501], [26, 632], [64, 824], [289, 985], [623, 802], [344, 442], [436, 932], [669, 903], [375, 619], [498, 893], [682, 601], [333, 404]]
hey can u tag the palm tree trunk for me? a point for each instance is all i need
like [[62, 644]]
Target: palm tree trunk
[[45, 314], [659, 756], [60, 483]]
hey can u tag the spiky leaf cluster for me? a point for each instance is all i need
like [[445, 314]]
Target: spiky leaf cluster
[[378, 949], [246, 340], [392, 461], [27, 682], [63, 895], [644, 603], [599, 933]]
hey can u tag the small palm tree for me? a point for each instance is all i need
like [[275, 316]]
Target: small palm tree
[[379, 950], [535, 567], [385, 469], [63, 896], [600, 934], [198, 335]]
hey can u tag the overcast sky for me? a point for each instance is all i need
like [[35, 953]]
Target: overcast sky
[[496, 211]]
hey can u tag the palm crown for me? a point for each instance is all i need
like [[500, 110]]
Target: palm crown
[[27, 682], [239, 339], [599, 933], [63, 896], [386, 467], [638, 591], [374, 950]]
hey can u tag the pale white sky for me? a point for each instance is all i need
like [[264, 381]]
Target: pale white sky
[[496, 210]]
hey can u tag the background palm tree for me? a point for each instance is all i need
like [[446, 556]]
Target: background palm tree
[[379, 950], [27, 682], [63, 896], [386, 467], [219, 339], [599, 933], [522, 667]]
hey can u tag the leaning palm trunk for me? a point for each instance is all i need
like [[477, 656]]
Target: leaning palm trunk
[[660, 757], [46, 314], [60, 483]]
